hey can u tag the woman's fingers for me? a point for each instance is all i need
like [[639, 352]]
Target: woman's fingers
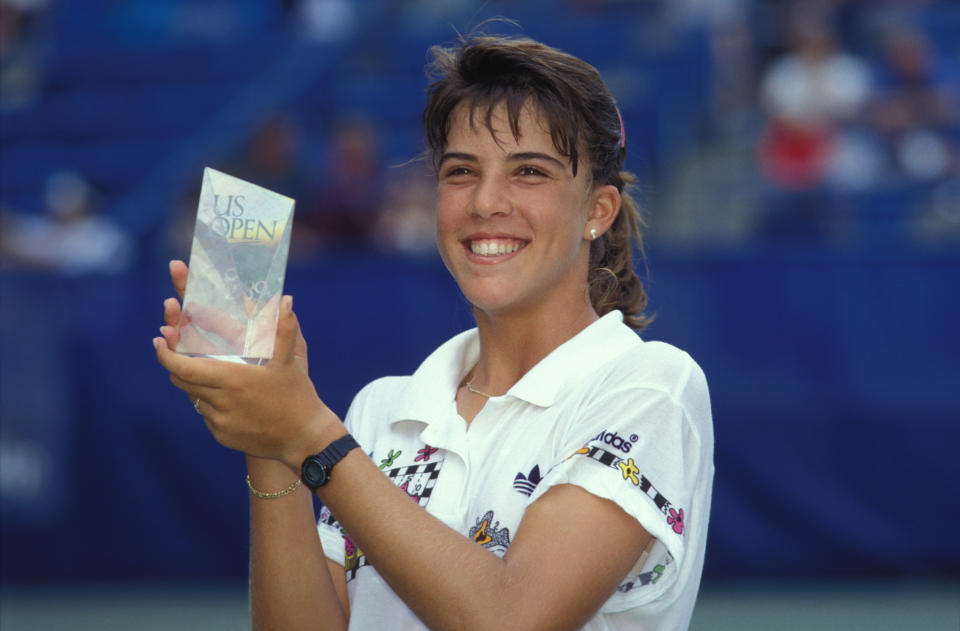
[[171, 317], [191, 372], [211, 396], [171, 306], [178, 276], [288, 333], [171, 312], [171, 335]]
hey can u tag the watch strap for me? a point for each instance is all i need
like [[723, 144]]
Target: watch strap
[[335, 451], [325, 460]]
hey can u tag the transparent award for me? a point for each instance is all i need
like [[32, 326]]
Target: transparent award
[[238, 261]]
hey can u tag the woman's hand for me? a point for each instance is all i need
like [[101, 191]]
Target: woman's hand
[[173, 316], [270, 411]]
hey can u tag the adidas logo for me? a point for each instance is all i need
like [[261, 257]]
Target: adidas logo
[[616, 441], [527, 483]]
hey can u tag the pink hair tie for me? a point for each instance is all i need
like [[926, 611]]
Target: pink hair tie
[[623, 132]]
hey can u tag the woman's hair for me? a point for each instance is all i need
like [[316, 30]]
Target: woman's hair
[[485, 72]]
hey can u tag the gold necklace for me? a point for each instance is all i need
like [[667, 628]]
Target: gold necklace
[[470, 387]]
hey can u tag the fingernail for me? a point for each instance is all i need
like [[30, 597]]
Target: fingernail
[[288, 303], [156, 343]]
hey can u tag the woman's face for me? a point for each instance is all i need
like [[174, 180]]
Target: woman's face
[[512, 219]]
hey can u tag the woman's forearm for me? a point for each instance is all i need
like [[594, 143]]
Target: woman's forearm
[[290, 585], [446, 579]]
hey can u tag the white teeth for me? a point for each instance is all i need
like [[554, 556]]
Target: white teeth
[[494, 247]]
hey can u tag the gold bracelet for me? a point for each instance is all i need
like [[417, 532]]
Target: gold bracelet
[[272, 496]]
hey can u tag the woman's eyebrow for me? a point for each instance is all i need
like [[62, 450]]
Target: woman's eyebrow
[[455, 155], [533, 155]]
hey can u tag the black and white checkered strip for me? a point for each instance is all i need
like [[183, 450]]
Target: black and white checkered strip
[[425, 475], [603, 456], [613, 461]]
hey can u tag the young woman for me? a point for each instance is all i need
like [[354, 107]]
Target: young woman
[[545, 470]]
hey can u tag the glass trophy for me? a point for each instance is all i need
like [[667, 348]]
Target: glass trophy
[[238, 261]]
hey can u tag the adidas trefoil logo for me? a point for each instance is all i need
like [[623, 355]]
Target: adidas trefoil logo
[[527, 483]]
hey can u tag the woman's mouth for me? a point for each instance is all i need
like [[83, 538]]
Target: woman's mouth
[[495, 247]]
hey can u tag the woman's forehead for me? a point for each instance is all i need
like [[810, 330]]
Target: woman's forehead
[[532, 127]]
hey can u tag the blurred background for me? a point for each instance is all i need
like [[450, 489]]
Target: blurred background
[[799, 163]]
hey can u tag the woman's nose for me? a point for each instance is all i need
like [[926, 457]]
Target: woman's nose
[[491, 198]]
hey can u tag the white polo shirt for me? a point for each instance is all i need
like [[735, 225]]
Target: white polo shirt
[[625, 419]]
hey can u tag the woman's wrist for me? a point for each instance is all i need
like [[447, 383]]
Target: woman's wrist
[[324, 430], [269, 475]]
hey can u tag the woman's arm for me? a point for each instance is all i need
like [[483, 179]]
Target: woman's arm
[[569, 553], [291, 585]]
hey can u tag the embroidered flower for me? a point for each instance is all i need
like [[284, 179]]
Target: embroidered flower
[[390, 459], [676, 520], [425, 453], [630, 471]]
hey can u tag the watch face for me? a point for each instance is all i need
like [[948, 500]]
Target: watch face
[[314, 472]]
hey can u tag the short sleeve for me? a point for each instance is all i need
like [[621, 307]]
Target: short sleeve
[[638, 450]]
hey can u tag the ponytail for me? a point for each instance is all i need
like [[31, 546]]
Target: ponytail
[[613, 280]]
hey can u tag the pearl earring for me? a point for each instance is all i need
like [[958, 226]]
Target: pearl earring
[[593, 233]]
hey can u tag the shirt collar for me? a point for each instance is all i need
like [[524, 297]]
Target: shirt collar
[[586, 351], [433, 387]]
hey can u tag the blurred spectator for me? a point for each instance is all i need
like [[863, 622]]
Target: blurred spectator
[[734, 67], [71, 238], [272, 158], [342, 210], [407, 219], [20, 50], [811, 145], [808, 94], [913, 109]]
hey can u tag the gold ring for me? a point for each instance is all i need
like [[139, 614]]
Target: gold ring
[[196, 406]]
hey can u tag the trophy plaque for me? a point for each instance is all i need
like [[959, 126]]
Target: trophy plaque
[[238, 261]]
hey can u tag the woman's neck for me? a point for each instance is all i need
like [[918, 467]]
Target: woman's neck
[[511, 345]]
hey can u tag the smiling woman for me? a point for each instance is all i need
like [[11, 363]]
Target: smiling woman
[[514, 219], [546, 469]]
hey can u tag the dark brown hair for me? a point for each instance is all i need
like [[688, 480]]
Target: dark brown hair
[[582, 117]]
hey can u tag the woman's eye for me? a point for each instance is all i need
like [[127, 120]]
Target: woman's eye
[[458, 171], [530, 171]]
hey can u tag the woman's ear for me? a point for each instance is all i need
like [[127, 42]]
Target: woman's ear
[[604, 207]]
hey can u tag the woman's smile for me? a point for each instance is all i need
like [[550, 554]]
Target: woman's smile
[[493, 249]]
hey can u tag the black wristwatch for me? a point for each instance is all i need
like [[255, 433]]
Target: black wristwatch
[[315, 470]]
